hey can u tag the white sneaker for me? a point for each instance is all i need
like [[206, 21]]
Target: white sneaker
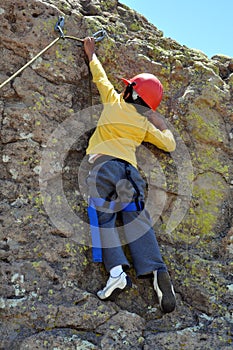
[[165, 291], [114, 284]]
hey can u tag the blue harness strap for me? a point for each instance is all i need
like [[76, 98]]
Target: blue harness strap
[[95, 234], [94, 224]]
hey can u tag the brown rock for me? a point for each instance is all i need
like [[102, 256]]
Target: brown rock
[[48, 282]]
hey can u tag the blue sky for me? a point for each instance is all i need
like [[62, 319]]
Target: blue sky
[[206, 25]]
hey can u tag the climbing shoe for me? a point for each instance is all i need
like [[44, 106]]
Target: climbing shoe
[[165, 291], [114, 286]]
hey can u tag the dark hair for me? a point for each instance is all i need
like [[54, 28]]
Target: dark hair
[[138, 102]]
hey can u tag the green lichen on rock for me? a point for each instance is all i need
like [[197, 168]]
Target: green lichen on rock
[[135, 27], [202, 128], [208, 158], [198, 226], [199, 275]]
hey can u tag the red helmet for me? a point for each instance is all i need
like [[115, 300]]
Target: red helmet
[[148, 87]]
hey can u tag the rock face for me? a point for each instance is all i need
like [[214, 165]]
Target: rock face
[[48, 282]]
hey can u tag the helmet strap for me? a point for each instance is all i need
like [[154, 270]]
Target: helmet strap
[[128, 92]]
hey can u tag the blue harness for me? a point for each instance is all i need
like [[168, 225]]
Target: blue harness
[[94, 224]]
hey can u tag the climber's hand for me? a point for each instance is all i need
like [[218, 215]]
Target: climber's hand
[[89, 47], [156, 120]]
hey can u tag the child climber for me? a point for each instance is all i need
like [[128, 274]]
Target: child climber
[[115, 185]]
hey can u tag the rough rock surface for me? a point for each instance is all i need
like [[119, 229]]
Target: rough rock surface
[[48, 283]]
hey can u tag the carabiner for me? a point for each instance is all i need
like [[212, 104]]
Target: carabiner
[[59, 25], [100, 35]]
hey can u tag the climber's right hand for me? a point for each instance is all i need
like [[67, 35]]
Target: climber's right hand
[[89, 47]]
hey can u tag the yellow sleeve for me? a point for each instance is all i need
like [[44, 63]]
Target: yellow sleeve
[[107, 92], [161, 139]]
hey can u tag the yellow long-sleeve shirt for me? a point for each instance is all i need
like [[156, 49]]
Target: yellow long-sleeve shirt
[[121, 129]]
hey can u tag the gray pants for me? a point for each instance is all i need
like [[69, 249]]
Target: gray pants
[[115, 179]]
